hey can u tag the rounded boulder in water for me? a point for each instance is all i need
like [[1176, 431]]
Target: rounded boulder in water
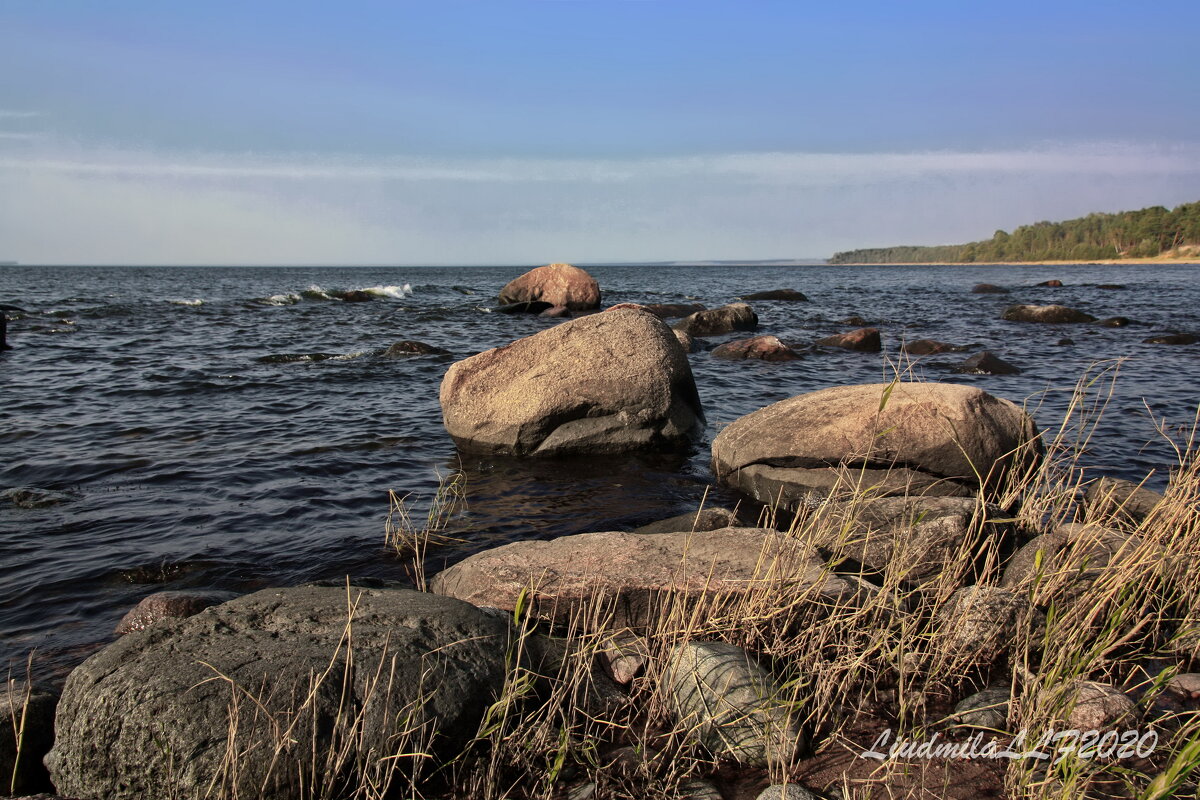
[[605, 383], [556, 285]]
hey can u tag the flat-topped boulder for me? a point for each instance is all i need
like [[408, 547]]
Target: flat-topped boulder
[[716, 321], [1047, 315], [271, 677], [555, 284], [634, 571], [897, 438], [605, 383]]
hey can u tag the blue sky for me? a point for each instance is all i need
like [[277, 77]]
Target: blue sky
[[586, 130]]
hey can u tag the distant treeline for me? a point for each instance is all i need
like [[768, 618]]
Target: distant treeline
[[1128, 234]]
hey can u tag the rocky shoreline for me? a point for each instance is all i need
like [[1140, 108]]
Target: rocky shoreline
[[902, 547]]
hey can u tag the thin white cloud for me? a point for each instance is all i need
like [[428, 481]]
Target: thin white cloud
[[11, 114], [773, 168]]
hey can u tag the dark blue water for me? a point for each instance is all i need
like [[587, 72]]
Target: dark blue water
[[201, 444]]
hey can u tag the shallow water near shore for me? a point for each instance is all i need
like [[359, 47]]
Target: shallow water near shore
[[237, 428]]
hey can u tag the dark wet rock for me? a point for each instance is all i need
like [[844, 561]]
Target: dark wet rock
[[556, 312], [463, 289], [979, 622], [159, 606], [1065, 342], [1110, 286], [555, 285], [356, 296], [731, 705], [716, 321], [29, 497], [863, 340], [1172, 338], [987, 363], [988, 288], [764, 348], [1115, 322], [633, 571], [987, 709], [707, 519], [926, 347], [606, 383], [1054, 283], [672, 310], [777, 294], [529, 307], [29, 709], [1049, 315], [923, 536], [295, 358], [149, 716], [906, 438], [410, 348], [856, 321], [1124, 502]]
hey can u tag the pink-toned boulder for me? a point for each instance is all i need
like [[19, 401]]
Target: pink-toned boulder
[[556, 284], [903, 438], [765, 348], [168, 605], [604, 383], [634, 571], [864, 340]]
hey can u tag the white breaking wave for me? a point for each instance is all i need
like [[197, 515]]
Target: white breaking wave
[[186, 302], [281, 300], [397, 292]]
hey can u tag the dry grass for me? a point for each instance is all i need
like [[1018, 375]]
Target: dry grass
[[882, 655]]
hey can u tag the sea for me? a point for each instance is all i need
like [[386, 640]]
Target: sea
[[237, 428]]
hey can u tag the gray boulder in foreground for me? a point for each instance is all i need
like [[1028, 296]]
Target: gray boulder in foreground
[[731, 705], [897, 439], [636, 572], [606, 383], [150, 715]]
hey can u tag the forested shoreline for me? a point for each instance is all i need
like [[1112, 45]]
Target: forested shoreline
[[1146, 233]]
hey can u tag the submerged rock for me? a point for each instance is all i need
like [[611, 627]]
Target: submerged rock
[[926, 347], [986, 363], [409, 348], [988, 288], [556, 285], [30, 497], [1115, 322], [1172, 338], [905, 438], [1048, 315], [1053, 283], [606, 383], [525, 307], [777, 294], [714, 322], [763, 348], [151, 715], [864, 340], [731, 705]]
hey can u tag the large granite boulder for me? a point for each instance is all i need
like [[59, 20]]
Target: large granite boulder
[[897, 439], [716, 321], [556, 284], [634, 572], [731, 705], [257, 697], [1049, 315], [604, 383]]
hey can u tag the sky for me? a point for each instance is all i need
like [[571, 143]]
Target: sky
[[526, 132]]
